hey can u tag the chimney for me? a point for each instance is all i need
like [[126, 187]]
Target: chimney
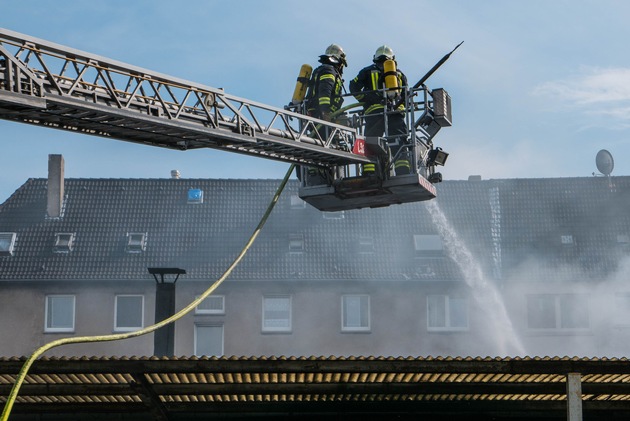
[[55, 185]]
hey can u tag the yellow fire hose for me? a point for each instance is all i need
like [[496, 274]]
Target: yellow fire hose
[[115, 337]]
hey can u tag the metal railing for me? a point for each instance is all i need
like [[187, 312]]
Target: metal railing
[[56, 86]]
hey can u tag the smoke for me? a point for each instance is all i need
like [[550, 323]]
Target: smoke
[[503, 338], [587, 315]]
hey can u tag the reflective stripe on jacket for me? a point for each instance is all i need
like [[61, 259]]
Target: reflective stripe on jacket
[[324, 91]]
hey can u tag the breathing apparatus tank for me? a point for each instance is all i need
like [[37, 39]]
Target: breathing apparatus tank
[[302, 84], [391, 78]]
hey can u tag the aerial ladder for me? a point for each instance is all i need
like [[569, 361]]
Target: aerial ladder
[[50, 85]]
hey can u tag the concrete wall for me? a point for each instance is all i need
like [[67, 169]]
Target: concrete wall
[[398, 312]]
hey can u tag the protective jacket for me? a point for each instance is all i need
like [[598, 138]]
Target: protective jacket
[[324, 91], [368, 87]]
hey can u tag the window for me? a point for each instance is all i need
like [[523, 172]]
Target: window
[[428, 245], [7, 242], [566, 240], [129, 313], [622, 309], [334, 215], [59, 313], [64, 242], [366, 244], [557, 311], [136, 242], [297, 202], [445, 313], [195, 196], [208, 340], [276, 314], [355, 313], [214, 304], [296, 243]]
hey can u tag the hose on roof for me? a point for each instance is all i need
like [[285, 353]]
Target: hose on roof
[[115, 337]]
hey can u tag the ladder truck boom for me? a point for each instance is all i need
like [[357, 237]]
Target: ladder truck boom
[[51, 85]]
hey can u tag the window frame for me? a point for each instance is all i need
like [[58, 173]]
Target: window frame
[[366, 244], [296, 202], [134, 246], [11, 237], [47, 310], [118, 328], [201, 311], [622, 313], [448, 323], [334, 215], [345, 328], [431, 250], [199, 325], [194, 196], [64, 242], [559, 312], [296, 239], [277, 329]]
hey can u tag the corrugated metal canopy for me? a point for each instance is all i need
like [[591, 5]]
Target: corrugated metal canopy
[[312, 388]]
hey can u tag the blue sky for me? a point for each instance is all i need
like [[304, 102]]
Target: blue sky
[[538, 87]]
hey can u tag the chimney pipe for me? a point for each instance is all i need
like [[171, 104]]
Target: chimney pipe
[[164, 337], [55, 185]]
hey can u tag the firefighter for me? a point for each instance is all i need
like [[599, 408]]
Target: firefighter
[[323, 97], [324, 91], [368, 88]]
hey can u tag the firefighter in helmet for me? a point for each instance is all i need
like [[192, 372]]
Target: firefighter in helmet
[[368, 88], [324, 91], [323, 97]]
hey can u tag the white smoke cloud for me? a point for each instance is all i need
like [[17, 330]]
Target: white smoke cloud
[[601, 93], [593, 86]]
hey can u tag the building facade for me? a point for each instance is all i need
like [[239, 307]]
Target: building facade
[[489, 268]]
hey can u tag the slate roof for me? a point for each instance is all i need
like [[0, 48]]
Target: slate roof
[[502, 222]]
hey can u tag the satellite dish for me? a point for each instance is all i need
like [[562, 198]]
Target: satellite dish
[[604, 162]]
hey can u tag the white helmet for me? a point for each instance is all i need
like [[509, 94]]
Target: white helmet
[[335, 54], [384, 53]]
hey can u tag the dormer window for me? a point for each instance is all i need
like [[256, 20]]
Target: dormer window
[[296, 243], [7, 242], [334, 215], [366, 244], [297, 202], [64, 242], [566, 240], [136, 242], [428, 245]]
